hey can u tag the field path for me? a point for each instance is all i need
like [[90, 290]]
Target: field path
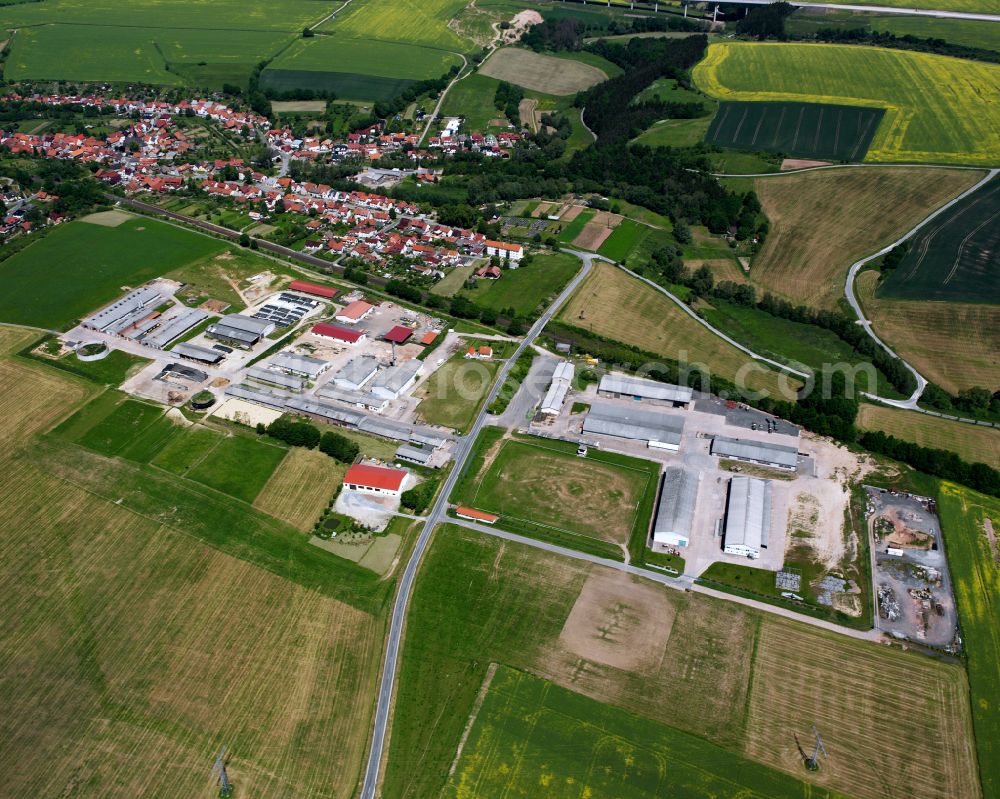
[[331, 15]]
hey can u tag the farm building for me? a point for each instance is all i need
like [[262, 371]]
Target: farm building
[[195, 353], [562, 380], [399, 334], [475, 515], [748, 517], [762, 452], [625, 387], [125, 312], [183, 372], [169, 329], [392, 382], [356, 372], [429, 338], [365, 400], [311, 288], [269, 377], [240, 331], [660, 430], [675, 511], [354, 312], [338, 333], [257, 394], [414, 455], [500, 249], [299, 365], [380, 480]]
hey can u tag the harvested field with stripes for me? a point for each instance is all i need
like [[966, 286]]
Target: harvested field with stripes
[[304, 482], [821, 222], [134, 651], [894, 723]]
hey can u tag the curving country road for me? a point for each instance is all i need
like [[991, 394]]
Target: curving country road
[[856, 267], [435, 517]]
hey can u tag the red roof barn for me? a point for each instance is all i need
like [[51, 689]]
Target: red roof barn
[[337, 332], [312, 288], [398, 335], [375, 479]]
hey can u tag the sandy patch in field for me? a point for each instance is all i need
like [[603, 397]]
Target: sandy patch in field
[[107, 218], [249, 413], [800, 163], [619, 623], [592, 236], [542, 210], [607, 219], [519, 23]]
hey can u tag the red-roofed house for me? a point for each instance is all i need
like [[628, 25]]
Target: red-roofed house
[[355, 312], [380, 480], [398, 335], [503, 250], [484, 353], [312, 288], [338, 333]]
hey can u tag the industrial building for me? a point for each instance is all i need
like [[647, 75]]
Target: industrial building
[[123, 313], [271, 377], [354, 312], [166, 330], [240, 331], [562, 381], [626, 387], [338, 333], [392, 382], [356, 372], [379, 480], [399, 334], [299, 365], [764, 453], [748, 517], [195, 353], [675, 511], [659, 430], [416, 455], [359, 399]]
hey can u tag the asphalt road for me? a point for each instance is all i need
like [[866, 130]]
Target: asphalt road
[[437, 515], [911, 402], [918, 12]]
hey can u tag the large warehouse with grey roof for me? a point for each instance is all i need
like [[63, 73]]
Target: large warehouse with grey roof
[[675, 511], [748, 517], [660, 430], [765, 453]]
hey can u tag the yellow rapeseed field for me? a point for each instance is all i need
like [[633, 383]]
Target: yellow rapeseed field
[[938, 109]]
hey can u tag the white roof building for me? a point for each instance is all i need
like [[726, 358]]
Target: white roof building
[[392, 382], [300, 365], [562, 381], [675, 511], [660, 430], [624, 386], [748, 517], [356, 372]]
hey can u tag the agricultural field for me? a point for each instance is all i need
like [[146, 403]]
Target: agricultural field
[[655, 324], [472, 98], [101, 41], [953, 344], [975, 6], [669, 657], [355, 69], [544, 488], [970, 523], [452, 395], [971, 33], [239, 466], [542, 73], [300, 488], [527, 288], [529, 732], [922, 123], [954, 257], [135, 694], [823, 221], [973, 444], [425, 23], [675, 132], [916, 709], [802, 130], [623, 240], [44, 285]]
